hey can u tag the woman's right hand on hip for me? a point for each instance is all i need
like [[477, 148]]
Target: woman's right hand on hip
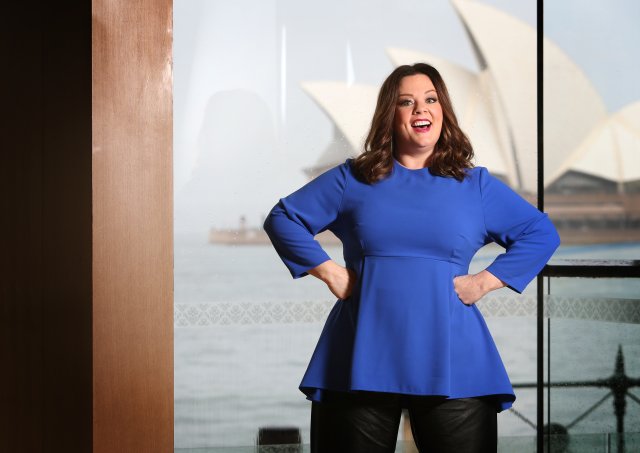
[[339, 279]]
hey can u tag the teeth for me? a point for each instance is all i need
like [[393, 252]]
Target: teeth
[[421, 123]]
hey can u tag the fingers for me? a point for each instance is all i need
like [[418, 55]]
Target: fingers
[[342, 285], [466, 289]]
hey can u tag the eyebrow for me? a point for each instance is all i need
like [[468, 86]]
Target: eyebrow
[[424, 93]]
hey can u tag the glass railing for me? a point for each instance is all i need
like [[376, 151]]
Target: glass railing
[[591, 359]]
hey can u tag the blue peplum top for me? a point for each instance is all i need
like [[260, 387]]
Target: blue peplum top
[[403, 329]]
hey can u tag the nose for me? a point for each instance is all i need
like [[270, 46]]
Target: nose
[[420, 107]]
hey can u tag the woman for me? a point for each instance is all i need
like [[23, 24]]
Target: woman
[[411, 211]]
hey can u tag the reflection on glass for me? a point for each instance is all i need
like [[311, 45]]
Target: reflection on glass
[[270, 94]]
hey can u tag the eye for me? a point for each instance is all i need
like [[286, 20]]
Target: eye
[[432, 100], [405, 102]]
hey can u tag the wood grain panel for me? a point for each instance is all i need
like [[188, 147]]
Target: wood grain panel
[[132, 226]]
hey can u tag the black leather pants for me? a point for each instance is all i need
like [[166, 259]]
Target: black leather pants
[[368, 422]]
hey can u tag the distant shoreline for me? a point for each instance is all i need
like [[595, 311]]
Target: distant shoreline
[[257, 236], [586, 218]]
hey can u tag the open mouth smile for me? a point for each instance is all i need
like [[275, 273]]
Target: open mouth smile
[[421, 125]]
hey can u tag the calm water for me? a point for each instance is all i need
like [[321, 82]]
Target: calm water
[[240, 373]]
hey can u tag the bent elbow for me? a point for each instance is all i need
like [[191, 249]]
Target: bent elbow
[[556, 239], [268, 224], [553, 235]]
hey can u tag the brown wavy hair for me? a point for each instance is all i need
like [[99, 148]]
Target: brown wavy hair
[[453, 152]]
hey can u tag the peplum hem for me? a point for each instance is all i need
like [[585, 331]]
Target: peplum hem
[[503, 401], [404, 330]]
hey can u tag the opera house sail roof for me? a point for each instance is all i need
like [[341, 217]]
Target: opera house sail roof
[[497, 108], [591, 156]]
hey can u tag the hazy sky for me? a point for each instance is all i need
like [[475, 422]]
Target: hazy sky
[[602, 38], [244, 129]]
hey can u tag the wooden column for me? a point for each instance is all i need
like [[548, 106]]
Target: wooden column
[[132, 226]]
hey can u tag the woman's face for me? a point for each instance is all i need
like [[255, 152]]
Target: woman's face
[[418, 118]]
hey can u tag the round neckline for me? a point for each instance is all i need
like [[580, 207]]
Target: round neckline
[[398, 164]]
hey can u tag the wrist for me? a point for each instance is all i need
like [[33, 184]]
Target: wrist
[[324, 271], [489, 282]]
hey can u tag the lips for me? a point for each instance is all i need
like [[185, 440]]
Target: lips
[[421, 125]]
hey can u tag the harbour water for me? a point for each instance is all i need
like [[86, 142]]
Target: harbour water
[[245, 331]]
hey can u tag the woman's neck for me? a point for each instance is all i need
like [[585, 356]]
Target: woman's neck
[[414, 161]]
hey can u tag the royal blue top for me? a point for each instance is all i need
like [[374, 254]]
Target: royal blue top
[[403, 329]]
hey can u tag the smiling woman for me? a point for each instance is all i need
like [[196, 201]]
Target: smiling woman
[[410, 94], [411, 212], [417, 122]]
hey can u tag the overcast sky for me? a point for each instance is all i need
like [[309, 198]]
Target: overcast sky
[[243, 128]]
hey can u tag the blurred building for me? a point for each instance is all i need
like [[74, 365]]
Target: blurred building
[[592, 157]]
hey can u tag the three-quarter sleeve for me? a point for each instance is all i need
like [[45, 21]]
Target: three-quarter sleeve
[[294, 221], [527, 234]]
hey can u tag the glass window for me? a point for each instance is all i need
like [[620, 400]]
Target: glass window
[[592, 180], [592, 128], [268, 94]]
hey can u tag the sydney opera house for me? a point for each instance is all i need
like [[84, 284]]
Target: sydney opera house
[[591, 155]]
